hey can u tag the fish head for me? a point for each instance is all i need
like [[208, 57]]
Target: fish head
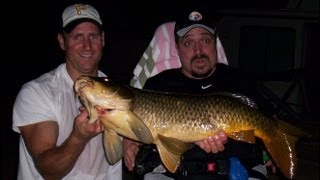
[[111, 103], [100, 93]]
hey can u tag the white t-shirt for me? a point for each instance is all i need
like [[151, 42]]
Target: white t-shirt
[[51, 97]]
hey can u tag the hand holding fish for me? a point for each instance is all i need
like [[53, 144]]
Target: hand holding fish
[[213, 144], [85, 130], [130, 151]]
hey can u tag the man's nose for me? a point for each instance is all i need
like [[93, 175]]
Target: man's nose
[[87, 43], [198, 47]]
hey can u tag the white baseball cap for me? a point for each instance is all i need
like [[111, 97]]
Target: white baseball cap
[[80, 12]]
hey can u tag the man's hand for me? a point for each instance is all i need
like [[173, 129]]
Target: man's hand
[[214, 143], [131, 149], [83, 128]]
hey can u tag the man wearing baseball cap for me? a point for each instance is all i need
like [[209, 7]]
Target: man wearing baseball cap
[[57, 141], [195, 19], [201, 73], [77, 13]]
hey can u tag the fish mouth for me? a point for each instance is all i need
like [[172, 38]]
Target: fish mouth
[[103, 110], [81, 83]]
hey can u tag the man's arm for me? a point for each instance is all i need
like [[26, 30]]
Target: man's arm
[[52, 161], [131, 149]]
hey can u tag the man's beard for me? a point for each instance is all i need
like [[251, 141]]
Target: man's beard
[[202, 75]]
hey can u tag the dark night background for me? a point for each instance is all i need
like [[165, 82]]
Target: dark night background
[[129, 26]]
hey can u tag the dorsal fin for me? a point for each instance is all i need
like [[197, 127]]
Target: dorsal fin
[[245, 99], [242, 98]]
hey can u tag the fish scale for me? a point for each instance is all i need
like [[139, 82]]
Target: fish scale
[[189, 111]]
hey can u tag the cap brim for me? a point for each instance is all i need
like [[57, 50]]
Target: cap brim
[[185, 30], [71, 25]]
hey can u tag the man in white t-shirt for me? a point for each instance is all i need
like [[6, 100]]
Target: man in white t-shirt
[[57, 142]]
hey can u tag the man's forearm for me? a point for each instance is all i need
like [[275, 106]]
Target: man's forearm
[[57, 162]]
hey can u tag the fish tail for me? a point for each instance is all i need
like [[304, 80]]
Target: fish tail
[[282, 148], [293, 130]]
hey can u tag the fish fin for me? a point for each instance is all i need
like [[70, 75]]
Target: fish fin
[[240, 97], [112, 146], [293, 130], [174, 145], [139, 128], [245, 100], [128, 124], [245, 136], [283, 152], [282, 148], [170, 160]]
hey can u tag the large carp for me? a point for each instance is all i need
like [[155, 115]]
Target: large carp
[[174, 121]]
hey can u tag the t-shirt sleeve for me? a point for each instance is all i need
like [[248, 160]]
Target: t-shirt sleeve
[[32, 105]]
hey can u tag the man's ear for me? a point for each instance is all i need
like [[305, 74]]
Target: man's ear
[[61, 41]]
